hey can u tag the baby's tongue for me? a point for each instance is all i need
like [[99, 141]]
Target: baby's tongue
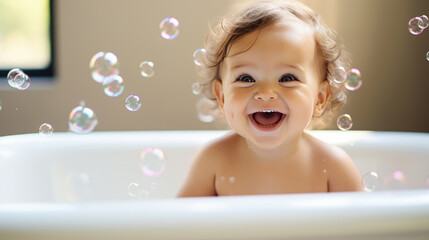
[[267, 118]]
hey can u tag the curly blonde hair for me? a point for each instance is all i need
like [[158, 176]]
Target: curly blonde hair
[[257, 15]]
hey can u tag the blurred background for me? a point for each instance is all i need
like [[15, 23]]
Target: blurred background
[[395, 70]]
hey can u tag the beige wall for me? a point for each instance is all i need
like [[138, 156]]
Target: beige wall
[[394, 94]]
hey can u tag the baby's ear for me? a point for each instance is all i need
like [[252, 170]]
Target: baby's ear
[[218, 91], [322, 98]]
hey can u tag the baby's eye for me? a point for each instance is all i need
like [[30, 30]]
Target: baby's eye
[[245, 78], [288, 78]]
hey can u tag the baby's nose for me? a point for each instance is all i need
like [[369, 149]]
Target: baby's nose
[[266, 94]]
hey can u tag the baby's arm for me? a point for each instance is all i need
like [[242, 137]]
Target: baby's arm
[[343, 174], [201, 178]]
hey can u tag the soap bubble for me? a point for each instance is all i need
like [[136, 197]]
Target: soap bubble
[[113, 86], [46, 129], [205, 110], [344, 122], [200, 56], [169, 28], [152, 161], [22, 80], [102, 65], [370, 181], [133, 189], [82, 120], [340, 75], [196, 88], [1, 105], [133, 103], [146, 69], [11, 77], [424, 23], [427, 55], [414, 25], [353, 80]]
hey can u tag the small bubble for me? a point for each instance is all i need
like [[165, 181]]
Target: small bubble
[[196, 88], [200, 56], [231, 179], [427, 56], [169, 28], [353, 80], [414, 25], [133, 189], [1, 105], [102, 65], [344, 122], [424, 23], [152, 162], [340, 75], [133, 103], [82, 120], [205, 110], [113, 86], [146, 69], [370, 181], [46, 129], [11, 77], [23, 79]]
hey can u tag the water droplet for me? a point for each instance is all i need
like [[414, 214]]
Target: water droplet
[[82, 120], [146, 69], [46, 129], [340, 75], [424, 23], [231, 179], [205, 110], [113, 86], [102, 65], [196, 88], [152, 161], [414, 25], [169, 28], [133, 103], [200, 57], [344, 122], [370, 181], [353, 80]]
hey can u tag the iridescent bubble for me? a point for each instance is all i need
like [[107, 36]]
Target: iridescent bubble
[[82, 120], [146, 69], [206, 110], [340, 75], [414, 26], [169, 28], [353, 80], [427, 56], [424, 23], [11, 77], [46, 129], [23, 79], [395, 181], [370, 181], [200, 56], [344, 122], [152, 162], [197, 88], [113, 86], [102, 65], [133, 103]]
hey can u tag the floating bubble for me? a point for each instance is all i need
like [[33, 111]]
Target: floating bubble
[[133, 103], [370, 181], [102, 65], [353, 80], [414, 25], [113, 86], [344, 122], [11, 77], [1, 105], [395, 181], [424, 23], [196, 88], [146, 69], [206, 110], [22, 81], [340, 75], [427, 56], [169, 28], [133, 189], [200, 56], [82, 120], [46, 129], [153, 162]]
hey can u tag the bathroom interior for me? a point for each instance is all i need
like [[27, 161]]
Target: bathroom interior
[[55, 52]]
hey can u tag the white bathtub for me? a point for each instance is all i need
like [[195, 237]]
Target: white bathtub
[[70, 186]]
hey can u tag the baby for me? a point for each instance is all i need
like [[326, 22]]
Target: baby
[[270, 68]]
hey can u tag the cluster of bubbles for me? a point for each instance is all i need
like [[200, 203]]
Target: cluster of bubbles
[[18, 79], [416, 25], [371, 181]]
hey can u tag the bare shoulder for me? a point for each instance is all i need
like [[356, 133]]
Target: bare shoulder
[[343, 174]]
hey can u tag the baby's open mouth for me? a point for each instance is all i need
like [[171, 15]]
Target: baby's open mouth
[[267, 118]]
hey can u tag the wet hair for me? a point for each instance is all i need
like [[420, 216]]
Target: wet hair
[[254, 16]]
